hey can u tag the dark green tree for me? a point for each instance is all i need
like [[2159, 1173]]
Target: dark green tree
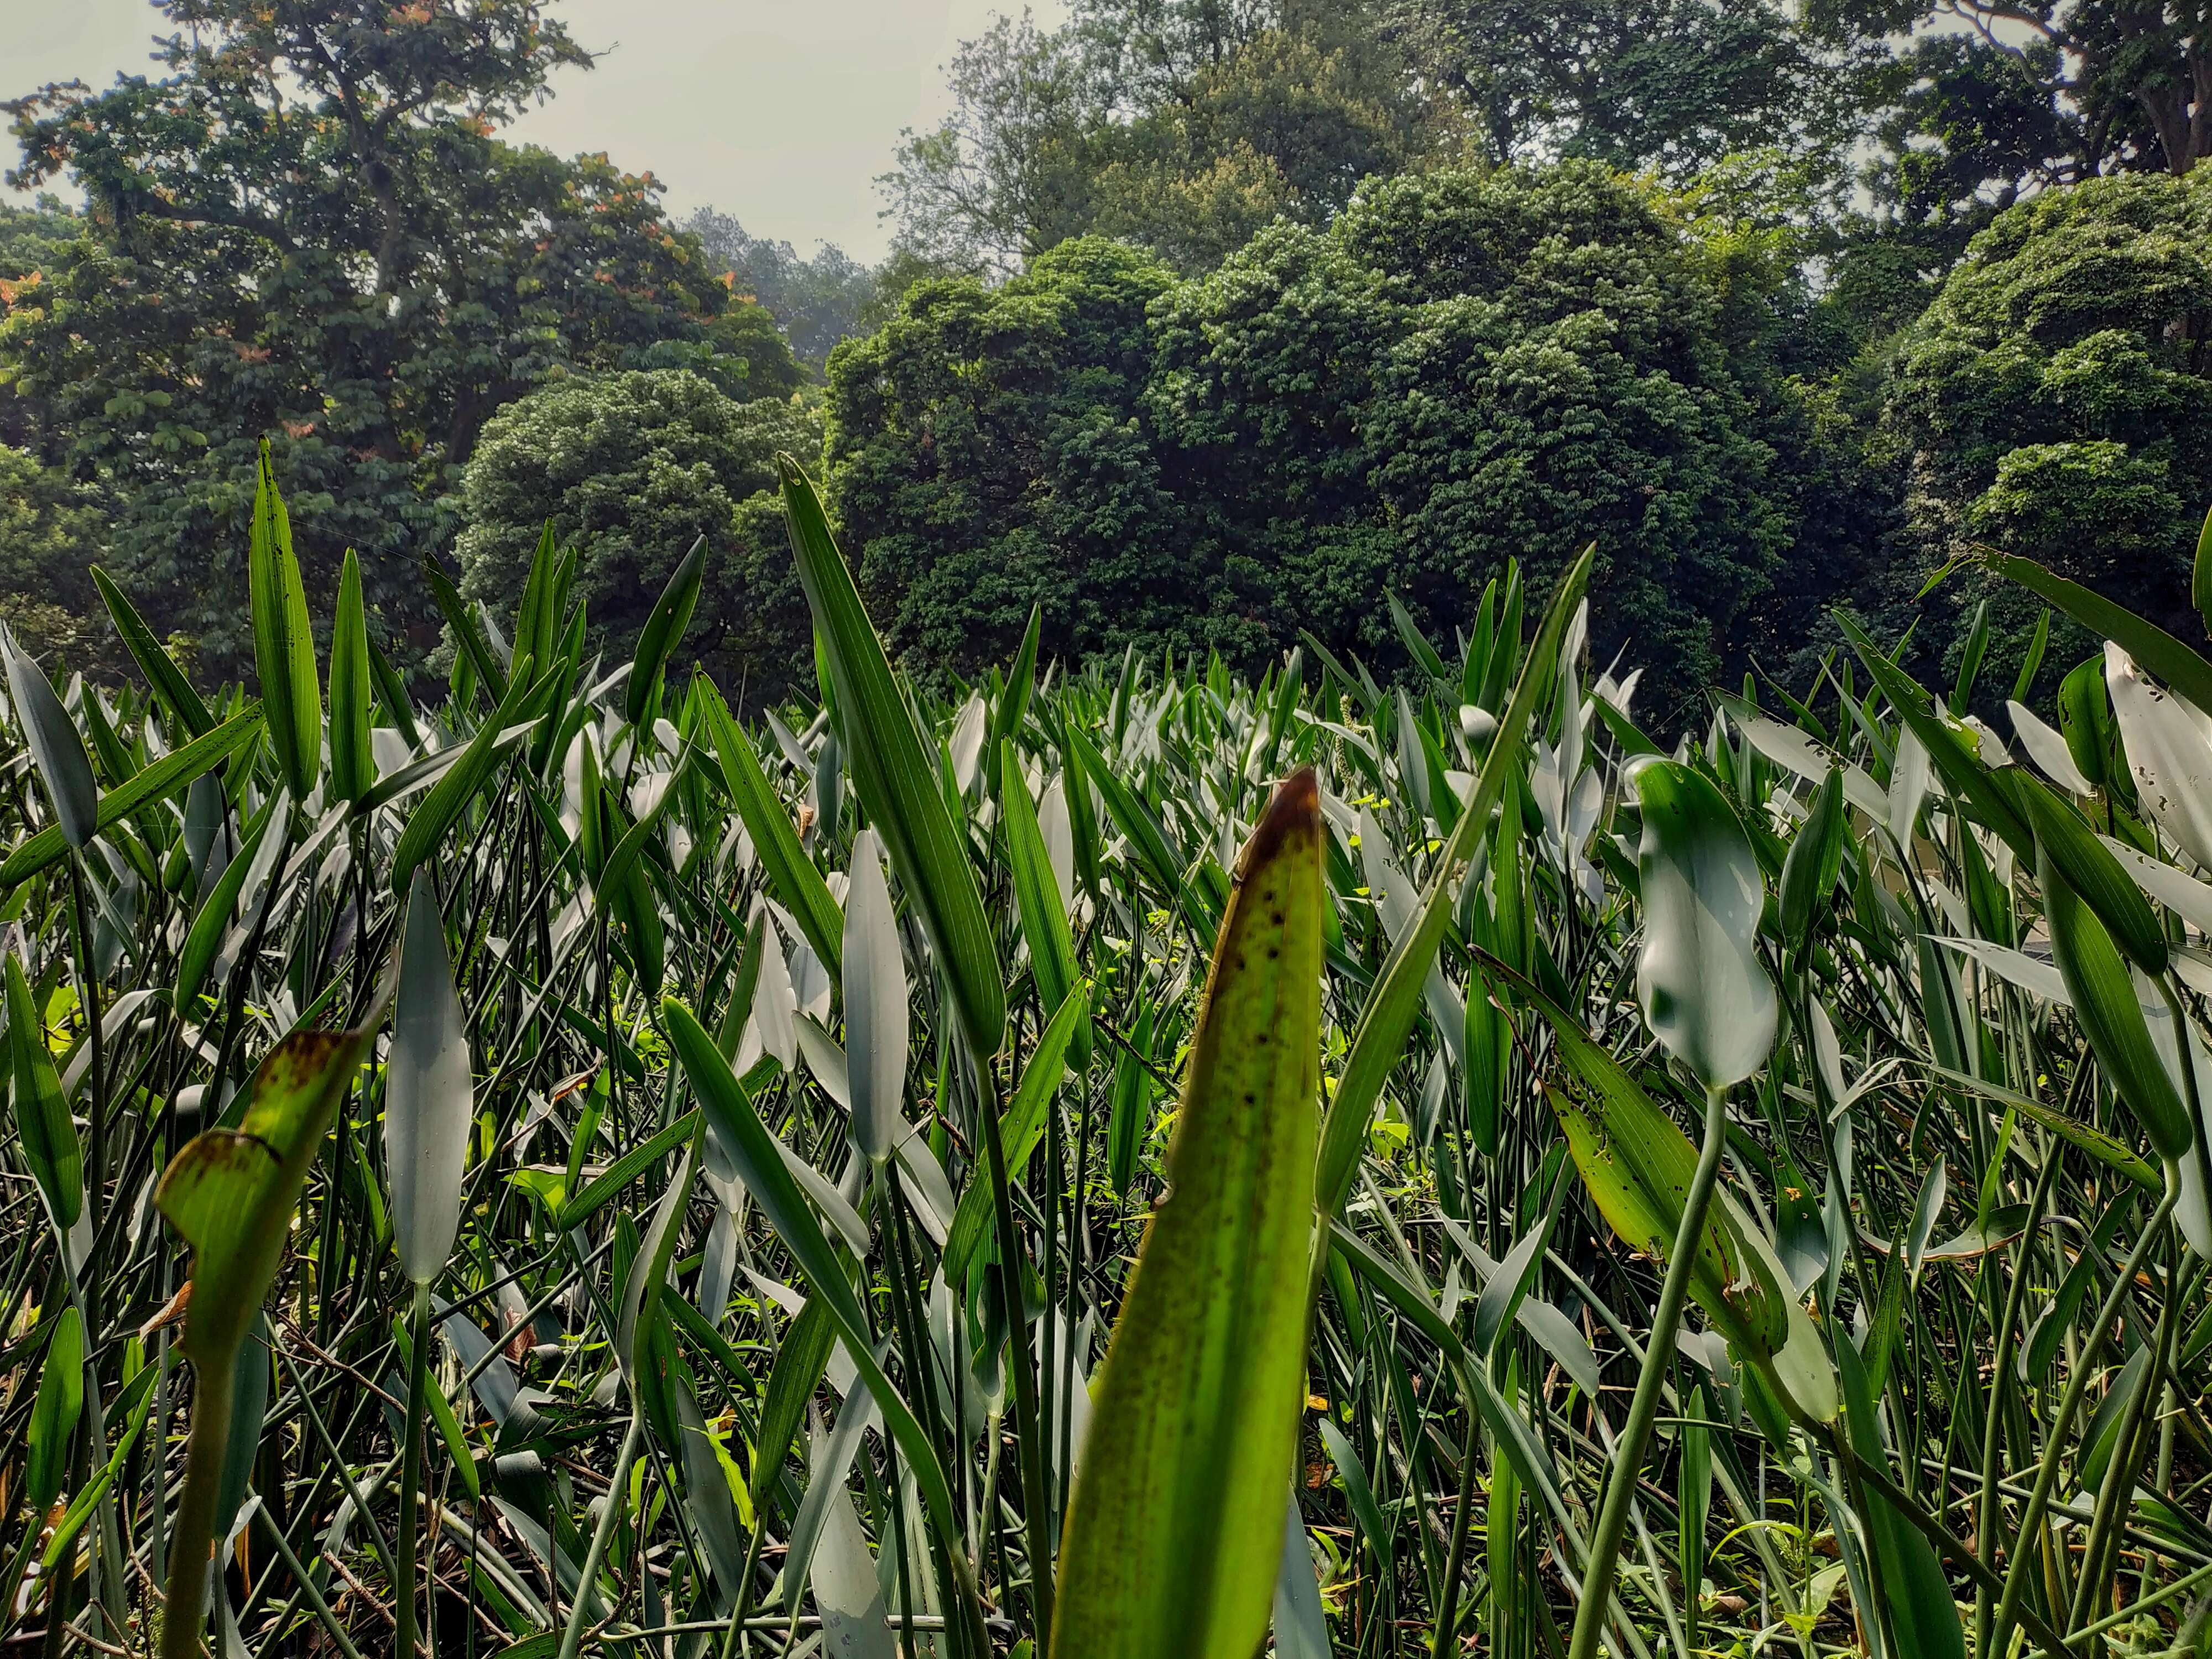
[[1470, 366], [307, 230], [987, 452], [816, 301], [631, 468], [2053, 400]]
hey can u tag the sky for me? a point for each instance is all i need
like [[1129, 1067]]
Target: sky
[[780, 112]]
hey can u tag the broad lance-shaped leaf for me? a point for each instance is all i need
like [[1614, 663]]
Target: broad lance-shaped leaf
[[1705, 994], [1174, 1538], [283, 640], [57, 746], [2169, 752], [792, 877], [42, 1116], [429, 1101], [449, 796], [152, 783], [353, 767], [1038, 895], [896, 779], [2110, 1017], [154, 661], [54, 1413], [672, 614], [230, 1195], [875, 1005], [762, 1168], [1386, 1022]]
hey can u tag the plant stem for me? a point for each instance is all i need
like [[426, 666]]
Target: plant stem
[[2077, 1388], [192, 1545], [410, 1467], [572, 1637], [1603, 1565]]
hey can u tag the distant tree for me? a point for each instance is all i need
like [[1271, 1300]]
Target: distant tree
[[1465, 368], [632, 467], [1669, 84], [1182, 126], [816, 301], [307, 231], [50, 534], [2053, 401], [987, 452]]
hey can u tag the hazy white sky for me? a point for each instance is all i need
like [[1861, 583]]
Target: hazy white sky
[[781, 112]]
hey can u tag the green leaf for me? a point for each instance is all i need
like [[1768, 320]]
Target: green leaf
[[159, 668], [212, 922], [466, 634], [230, 1193], [2090, 870], [608, 1186], [1815, 860], [42, 1116], [1704, 993], [1020, 1130], [1961, 767], [664, 628], [55, 1412], [57, 747], [1037, 896], [441, 809], [2110, 1017], [895, 777], [353, 767], [429, 1101], [776, 1189], [2183, 669], [1386, 1023], [1174, 1537], [283, 640], [1922, 1614], [876, 1027], [163, 778], [795, 880]]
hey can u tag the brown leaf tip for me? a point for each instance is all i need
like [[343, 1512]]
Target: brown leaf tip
[[1295, 808]]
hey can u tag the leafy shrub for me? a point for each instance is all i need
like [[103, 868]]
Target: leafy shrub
[[634, 467], [2052, 400]]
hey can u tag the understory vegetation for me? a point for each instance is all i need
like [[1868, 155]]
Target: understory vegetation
[[987, 1169]]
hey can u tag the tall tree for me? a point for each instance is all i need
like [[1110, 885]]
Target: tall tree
[[306, 229], [816, 301], [1183, 125]]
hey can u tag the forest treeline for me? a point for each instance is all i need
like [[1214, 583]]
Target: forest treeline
[[1206, 324]]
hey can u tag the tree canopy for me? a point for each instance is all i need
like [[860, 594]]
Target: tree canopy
[[631, 468], [308, 229]]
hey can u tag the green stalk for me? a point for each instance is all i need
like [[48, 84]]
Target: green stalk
[[1603, 1564], [191, 1546], [1989, 1509], [1455, 1557], [410, 1467], [2115, 1499], [1026, 1432], [572, 1637], [2077, 1388]]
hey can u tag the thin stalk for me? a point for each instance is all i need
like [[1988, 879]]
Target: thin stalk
[[410, 1468], [1603, 1565], [2077, 1388], [572, 1637], [1455, 1557], [191, 1547], [1999, 1382]]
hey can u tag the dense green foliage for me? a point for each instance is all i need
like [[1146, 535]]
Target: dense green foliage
[[354, 268], [2052, 398], [722, 1254], [632, 469], [1464, 368]]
